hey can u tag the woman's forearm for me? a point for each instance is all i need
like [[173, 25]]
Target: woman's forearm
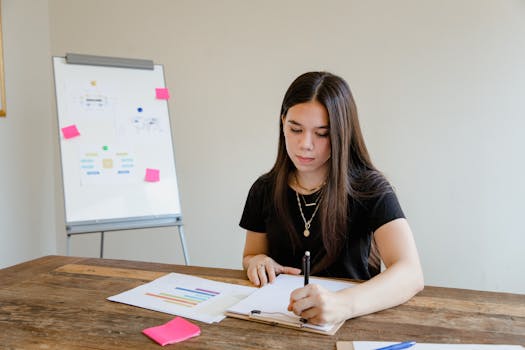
[[392, 287]]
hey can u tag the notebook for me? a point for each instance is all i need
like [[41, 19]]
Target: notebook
[[269, 304]]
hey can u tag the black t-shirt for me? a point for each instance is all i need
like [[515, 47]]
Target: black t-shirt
[[364, 217]]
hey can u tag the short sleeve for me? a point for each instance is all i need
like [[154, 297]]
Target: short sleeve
[[384, 209], [255, 210]]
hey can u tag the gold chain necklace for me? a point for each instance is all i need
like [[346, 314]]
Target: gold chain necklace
[[309, 190], [309, 204], [308, 223]]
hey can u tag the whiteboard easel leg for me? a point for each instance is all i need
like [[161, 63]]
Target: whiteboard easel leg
[[101, 244], [183, 245], [67, 246]]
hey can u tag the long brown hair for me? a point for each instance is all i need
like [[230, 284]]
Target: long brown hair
[[351, 172]]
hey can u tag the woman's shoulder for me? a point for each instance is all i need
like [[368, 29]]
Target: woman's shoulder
[[370, 183], [375, 194], [265, 180], [263, 185]]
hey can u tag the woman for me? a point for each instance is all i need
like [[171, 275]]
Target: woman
[[325, 196]]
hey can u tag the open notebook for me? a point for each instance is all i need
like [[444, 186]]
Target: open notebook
[[269, 304]]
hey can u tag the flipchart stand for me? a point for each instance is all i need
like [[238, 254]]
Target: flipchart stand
[[94, 209]]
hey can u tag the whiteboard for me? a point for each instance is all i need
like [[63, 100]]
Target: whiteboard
[[123, 129]]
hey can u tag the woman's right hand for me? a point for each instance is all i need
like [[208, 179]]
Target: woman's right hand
[[261, 269]]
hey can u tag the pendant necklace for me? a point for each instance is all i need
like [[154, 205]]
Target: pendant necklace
[[309, 204], [308, 223]]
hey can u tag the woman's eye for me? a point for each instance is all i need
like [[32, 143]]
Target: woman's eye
[[323, 134], [295, 130]]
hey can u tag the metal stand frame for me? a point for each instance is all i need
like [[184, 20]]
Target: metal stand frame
[[179, 228]]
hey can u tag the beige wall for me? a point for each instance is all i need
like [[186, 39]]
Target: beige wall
[[439, 86], [27, 199]]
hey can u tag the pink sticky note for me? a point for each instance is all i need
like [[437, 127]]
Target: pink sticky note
[[174, 331], [70, 131], [152, 175], [162, 93]]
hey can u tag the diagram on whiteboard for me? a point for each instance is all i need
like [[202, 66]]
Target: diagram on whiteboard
[[91, 99], [142, 123], [107, 165], [146, 125]]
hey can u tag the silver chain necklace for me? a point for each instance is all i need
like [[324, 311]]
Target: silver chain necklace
[[308, 223]]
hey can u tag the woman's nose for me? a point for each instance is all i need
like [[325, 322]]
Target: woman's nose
[[307, 141]]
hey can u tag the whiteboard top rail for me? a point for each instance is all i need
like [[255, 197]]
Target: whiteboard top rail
[[75, 58]]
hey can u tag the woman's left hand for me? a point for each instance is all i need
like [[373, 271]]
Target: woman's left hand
[[317, 305]]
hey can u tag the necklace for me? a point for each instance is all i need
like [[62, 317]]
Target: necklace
[[309, 204], [309, 190], [307, 224]]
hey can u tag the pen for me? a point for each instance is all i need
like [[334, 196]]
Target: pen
[[306, 267], [398, 346]]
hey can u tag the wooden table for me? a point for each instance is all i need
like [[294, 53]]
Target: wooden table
[[58, 302]]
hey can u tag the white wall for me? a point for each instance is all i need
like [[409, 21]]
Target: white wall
[[27, 199], [438, 85]]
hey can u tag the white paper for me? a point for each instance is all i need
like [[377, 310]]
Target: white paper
[[272, 300], [371, 345], [187, 296]]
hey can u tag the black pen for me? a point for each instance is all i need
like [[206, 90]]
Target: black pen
[[306, 267]]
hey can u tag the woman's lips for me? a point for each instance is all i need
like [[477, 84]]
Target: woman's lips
[[305, 160]]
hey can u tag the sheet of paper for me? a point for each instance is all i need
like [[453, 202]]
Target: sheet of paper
[[187, 296], [272, 300], [371, 345]]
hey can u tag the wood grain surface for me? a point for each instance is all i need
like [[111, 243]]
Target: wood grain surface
[[58, 302]]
